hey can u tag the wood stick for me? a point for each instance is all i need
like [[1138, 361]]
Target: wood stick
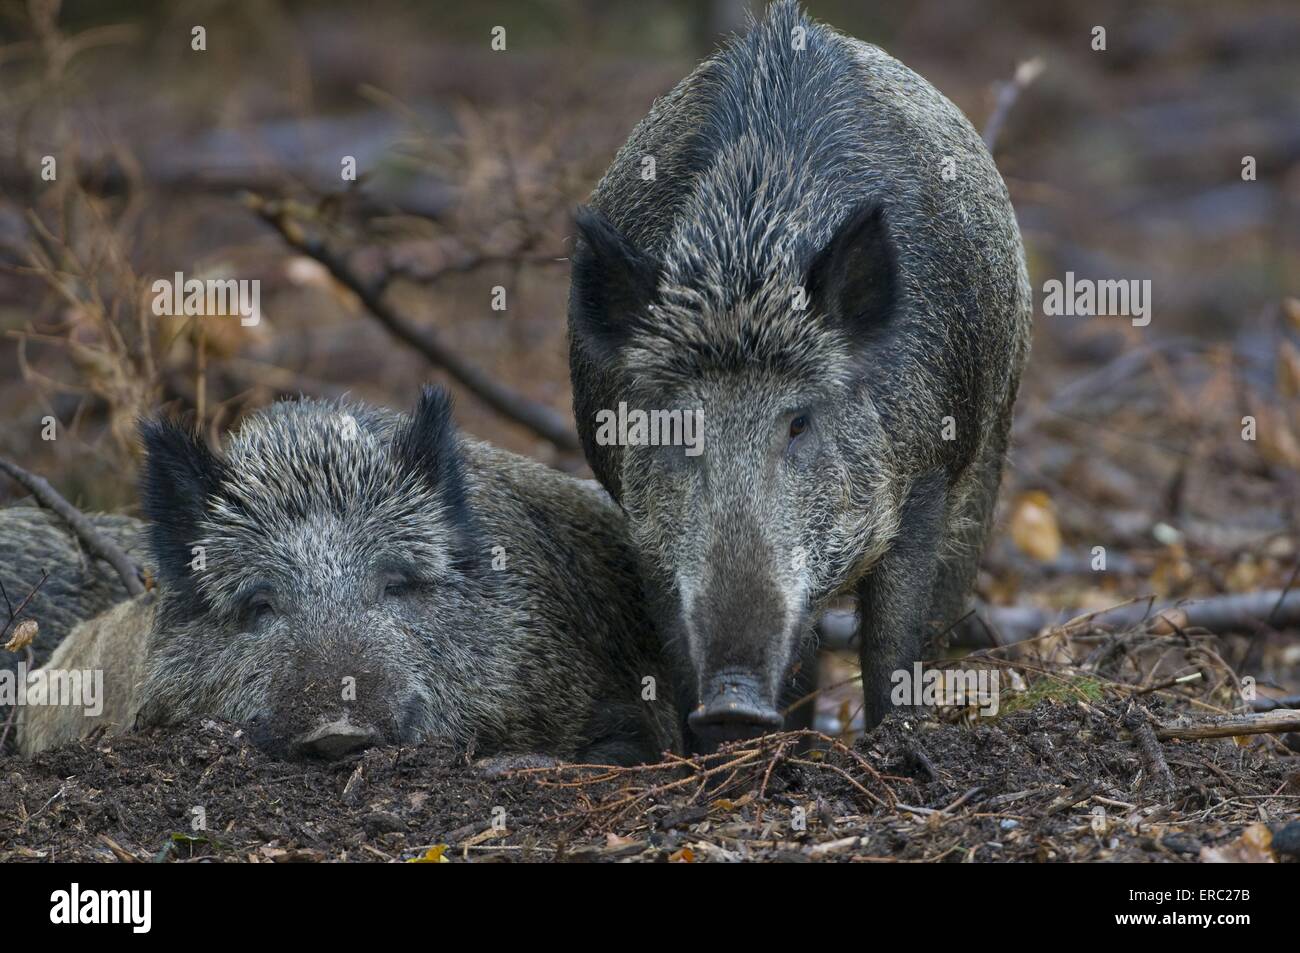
[[1228, 726], [1138, 721], [1237, 612], [105, 549], [120, 852], [506, 401], [1008, 93], [1272, 704]]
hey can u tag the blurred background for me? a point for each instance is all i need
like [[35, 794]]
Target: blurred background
[[226, 162]]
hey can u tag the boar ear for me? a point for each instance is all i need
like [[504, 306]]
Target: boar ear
[[853, 279], [180, 474], [612, 284], [428, 445]]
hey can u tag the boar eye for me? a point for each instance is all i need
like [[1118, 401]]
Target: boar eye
[[798, 425], [398, 585], [259, 607]]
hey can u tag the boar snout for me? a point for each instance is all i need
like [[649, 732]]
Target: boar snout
[[326, 739], [740, 631], [733, 706], [334, 740], [325, 702]]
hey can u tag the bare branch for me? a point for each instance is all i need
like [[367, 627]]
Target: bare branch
[[1270, 722], [1008, 92], [15, 613], [508, 402], [105, 549], [1246, 612]]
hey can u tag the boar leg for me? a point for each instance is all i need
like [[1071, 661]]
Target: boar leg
[[972, 502], [894, 598]]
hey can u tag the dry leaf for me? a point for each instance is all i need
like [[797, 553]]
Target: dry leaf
[[24, 635], [1288, 369], [1173, 571], [485, 835], [1245, 575], [1254, 846], [1277, 441], [1169, 622], [1033, 526], [1291, 308], [434, 855]]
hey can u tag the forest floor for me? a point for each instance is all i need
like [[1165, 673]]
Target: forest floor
[[1054, 776], [1149, 462]]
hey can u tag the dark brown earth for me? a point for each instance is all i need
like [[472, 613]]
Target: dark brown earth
[[1125, 164], [1055, 780]]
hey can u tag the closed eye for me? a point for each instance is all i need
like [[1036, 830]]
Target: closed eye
[[259, 606], [400, 585]]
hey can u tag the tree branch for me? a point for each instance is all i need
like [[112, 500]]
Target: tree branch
[[506, 401], [105, 549], [1008, 92], [1002, 625], [1272, 722]]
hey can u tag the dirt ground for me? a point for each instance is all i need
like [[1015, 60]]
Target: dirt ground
[[1169, 452], [1054, 777]]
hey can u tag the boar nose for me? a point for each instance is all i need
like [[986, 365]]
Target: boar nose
[[334, 740], [734, 706]]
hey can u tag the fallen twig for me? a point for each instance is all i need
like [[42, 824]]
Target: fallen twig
[[1272, 704], [1272, 616], [1137, 721], [1244, 612], [1269, 722], [1168, 683], [1107, 379], [822, 765], [120, 852], [1080, 792], [757, 756], [105, 549]]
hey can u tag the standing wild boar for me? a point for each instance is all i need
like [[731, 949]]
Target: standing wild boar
[[341, 575], [825, 263]]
